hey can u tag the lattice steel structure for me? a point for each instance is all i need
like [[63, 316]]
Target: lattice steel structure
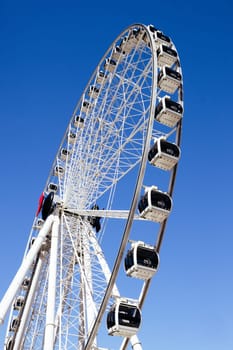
[[69, 275]]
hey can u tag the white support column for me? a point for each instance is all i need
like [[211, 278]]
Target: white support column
[[26, 264], [50, 314], [27, 307], [135, 343], [87, 283]]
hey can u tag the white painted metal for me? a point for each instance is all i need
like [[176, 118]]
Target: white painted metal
[[135, 343], [27, 262], [112, 214], [75, 283], [26, 312], [88, 284], [50, 314]]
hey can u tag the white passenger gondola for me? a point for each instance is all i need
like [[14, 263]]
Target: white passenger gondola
[[101, 77], [155, 205], [26, 283], [141, 261], [159, 37], [86, 106], [72, 137], [110, 65], [32, 242], [168, 112], [93, 91], [136, 35], [127, 44], [117, 53], [169, 80], [14, 324], [78, 122], [19, 302], [166, 56], [65, 154], [10, 344], [52, 187], [164, 154], [38, 224], [162, 38], [59, 170], [123, 319]]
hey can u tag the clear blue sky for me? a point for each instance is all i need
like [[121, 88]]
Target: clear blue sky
[[48, 51]]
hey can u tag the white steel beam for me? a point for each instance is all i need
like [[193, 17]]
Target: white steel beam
[[50, 314], [27, 307], [26, 264], [114, 214], [135, 343]]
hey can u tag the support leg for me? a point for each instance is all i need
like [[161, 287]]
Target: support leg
[[50, 314], [26, 263], [135, 343]]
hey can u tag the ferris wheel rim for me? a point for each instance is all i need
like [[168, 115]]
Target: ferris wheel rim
[[133, 205], [160, 236], [130, 215], [128, 224]]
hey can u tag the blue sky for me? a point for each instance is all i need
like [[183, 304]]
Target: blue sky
[[48, 51]]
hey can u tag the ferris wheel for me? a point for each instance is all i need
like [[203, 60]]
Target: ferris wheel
[[95, 240]]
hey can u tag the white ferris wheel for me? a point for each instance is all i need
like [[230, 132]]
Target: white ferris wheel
[[95, 240]]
